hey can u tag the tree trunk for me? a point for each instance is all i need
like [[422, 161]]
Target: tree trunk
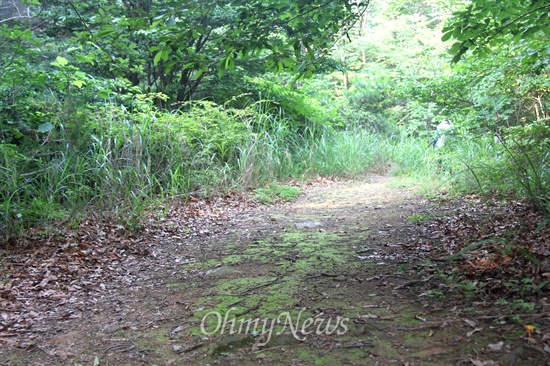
[[343, 59]]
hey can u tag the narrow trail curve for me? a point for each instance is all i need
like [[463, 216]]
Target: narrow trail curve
[[332, 260]]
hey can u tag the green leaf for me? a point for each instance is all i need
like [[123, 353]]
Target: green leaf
[[78, 83], [289, 62], [165, 54], [45, 127], [104, 93], [221, 69], [455, 48], [83, 58], [61, 61], [475, 245], [188, 65], [446, 36], [457, 33], [456, 58], [157, 58], [104, 33], [229, 63], [169, 65]]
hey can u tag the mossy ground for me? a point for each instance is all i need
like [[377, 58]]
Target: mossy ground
[[332, 255]]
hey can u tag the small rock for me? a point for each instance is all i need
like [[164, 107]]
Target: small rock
[[496, 347], [220, 271], [307, 224]]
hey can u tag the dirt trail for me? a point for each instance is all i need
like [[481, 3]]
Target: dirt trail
[[329, 267]]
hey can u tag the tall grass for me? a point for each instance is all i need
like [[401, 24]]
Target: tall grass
[[130, 160], [342, 153], [127, 160]]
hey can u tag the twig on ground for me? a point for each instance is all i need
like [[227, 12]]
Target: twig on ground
[[360, 345], [138, 359], [324, 274], [427, 326], [349, 346], [120, 348], [234, 303], [192, 347], [411, 283], [260, 286], [255, 307]]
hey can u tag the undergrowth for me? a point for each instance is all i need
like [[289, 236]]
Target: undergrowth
[[276, 192], [126, 159]]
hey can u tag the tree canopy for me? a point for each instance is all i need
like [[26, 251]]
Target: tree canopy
[[174, 46], [163, 87], [482, 26]]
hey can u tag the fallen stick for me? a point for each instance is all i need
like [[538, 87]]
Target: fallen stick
[[260, 286], [255, 307], [413, 282]]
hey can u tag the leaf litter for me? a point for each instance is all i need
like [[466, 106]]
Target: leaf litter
[[495, 287]]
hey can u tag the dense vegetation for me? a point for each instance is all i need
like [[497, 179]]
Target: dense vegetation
[[107, 107]]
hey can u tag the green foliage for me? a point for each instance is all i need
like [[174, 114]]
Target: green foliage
[[525, 286], [347, 153], [401, 40], [128, 158], [175, 47], [122, 161], [488, 94], [470, 289], [528, 152], [475, 245], [19, 84], [367, 100], [108, 106], [416, 217], [205, 127], [300, 109], [276, 192], [504, 95], [390, 59], [484, 25]]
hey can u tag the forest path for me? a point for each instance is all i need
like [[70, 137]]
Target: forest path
[[329, 272]]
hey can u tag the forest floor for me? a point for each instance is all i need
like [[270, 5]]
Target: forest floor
[[352, 273]]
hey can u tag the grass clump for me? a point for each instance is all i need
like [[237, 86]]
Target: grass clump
[[126, 159], [276, 193]]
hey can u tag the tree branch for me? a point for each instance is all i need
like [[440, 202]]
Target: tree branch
[[499, 30], [16, 17]]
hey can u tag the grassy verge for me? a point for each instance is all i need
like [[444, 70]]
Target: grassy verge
[[127, 160]]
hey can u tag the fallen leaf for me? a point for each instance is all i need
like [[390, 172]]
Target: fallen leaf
[[471, 323], [471, 333], [419, 318], [496, 347], [484, 363]]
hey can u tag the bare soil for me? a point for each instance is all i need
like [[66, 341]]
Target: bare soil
[[339, 273]]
